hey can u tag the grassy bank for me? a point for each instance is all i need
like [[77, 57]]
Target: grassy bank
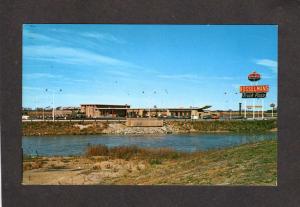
[[249, 164], [62, 128], [229, 126], [81, 128]]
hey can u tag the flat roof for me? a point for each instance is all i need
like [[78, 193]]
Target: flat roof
[[186, 109], [108, 108], [105, 104], [125, 106]]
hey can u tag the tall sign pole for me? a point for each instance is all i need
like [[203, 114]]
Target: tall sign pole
[[53, 110], [254, 77], [254, 91], [262, 108], [253, 104], [272, 106], [245, 108], [272, 113]]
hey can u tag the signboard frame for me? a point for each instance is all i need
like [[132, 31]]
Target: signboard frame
[[254, 95], [254, 89]]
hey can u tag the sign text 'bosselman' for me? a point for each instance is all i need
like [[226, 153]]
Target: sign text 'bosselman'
[[254, 89]]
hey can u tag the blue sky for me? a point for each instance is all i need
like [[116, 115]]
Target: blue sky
[[146, 65]]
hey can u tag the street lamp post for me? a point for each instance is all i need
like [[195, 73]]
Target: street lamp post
[[43, 114], [225, 93], [226, 103], [236, 94], [53, 96], [53, 108], [230, 114]]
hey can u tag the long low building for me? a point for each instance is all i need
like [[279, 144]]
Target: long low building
[[104, 110], [114, 111]]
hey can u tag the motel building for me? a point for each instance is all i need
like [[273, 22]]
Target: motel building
[[124, 111], [104, 110]]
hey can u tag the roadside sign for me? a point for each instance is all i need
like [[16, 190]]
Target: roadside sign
[[254, 95], [254, 76], [254, 89]]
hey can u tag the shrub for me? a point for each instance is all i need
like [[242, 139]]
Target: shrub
[[155, 161], [97, 150], [129, 152]]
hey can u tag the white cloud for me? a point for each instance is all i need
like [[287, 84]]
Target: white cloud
[[41, 75], [36, 36], [119, 73], [31, 88], [102, 36], [271, 64], [180, 77], [70, 55], [194, 77]]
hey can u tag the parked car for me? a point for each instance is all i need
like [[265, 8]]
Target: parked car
[[207, 117], [215, 116], [25, 117]]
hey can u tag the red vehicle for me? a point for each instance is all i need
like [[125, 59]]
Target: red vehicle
[[215, 116]]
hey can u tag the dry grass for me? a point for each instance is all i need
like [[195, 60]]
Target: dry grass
[[33, 165], [249, 164], [62, 128], [229, 126], [154, 155]]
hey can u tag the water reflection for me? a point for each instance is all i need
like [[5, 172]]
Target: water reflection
[[76, 145]]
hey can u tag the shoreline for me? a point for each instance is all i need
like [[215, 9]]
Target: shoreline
[[134, 134], [169, 127], [151, 148]]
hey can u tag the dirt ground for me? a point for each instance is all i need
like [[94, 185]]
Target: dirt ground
[[77, 170], [250, 164]]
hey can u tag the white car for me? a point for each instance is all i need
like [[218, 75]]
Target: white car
[[194, 117], [25, 117]]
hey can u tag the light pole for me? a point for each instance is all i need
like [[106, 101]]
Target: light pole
[[236, 93], [225, 93], [262, 108], [143, 92], [53, 96], [227, 102], [36, 112]]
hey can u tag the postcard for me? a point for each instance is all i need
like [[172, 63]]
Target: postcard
[[122, 104]]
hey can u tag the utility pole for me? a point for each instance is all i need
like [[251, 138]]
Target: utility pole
[[245, 109], [53, 108]]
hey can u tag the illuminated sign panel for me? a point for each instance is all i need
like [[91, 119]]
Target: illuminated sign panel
[[254, 89], [254, 95], [254, 76]]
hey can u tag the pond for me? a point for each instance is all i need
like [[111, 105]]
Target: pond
[[77, 144]]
